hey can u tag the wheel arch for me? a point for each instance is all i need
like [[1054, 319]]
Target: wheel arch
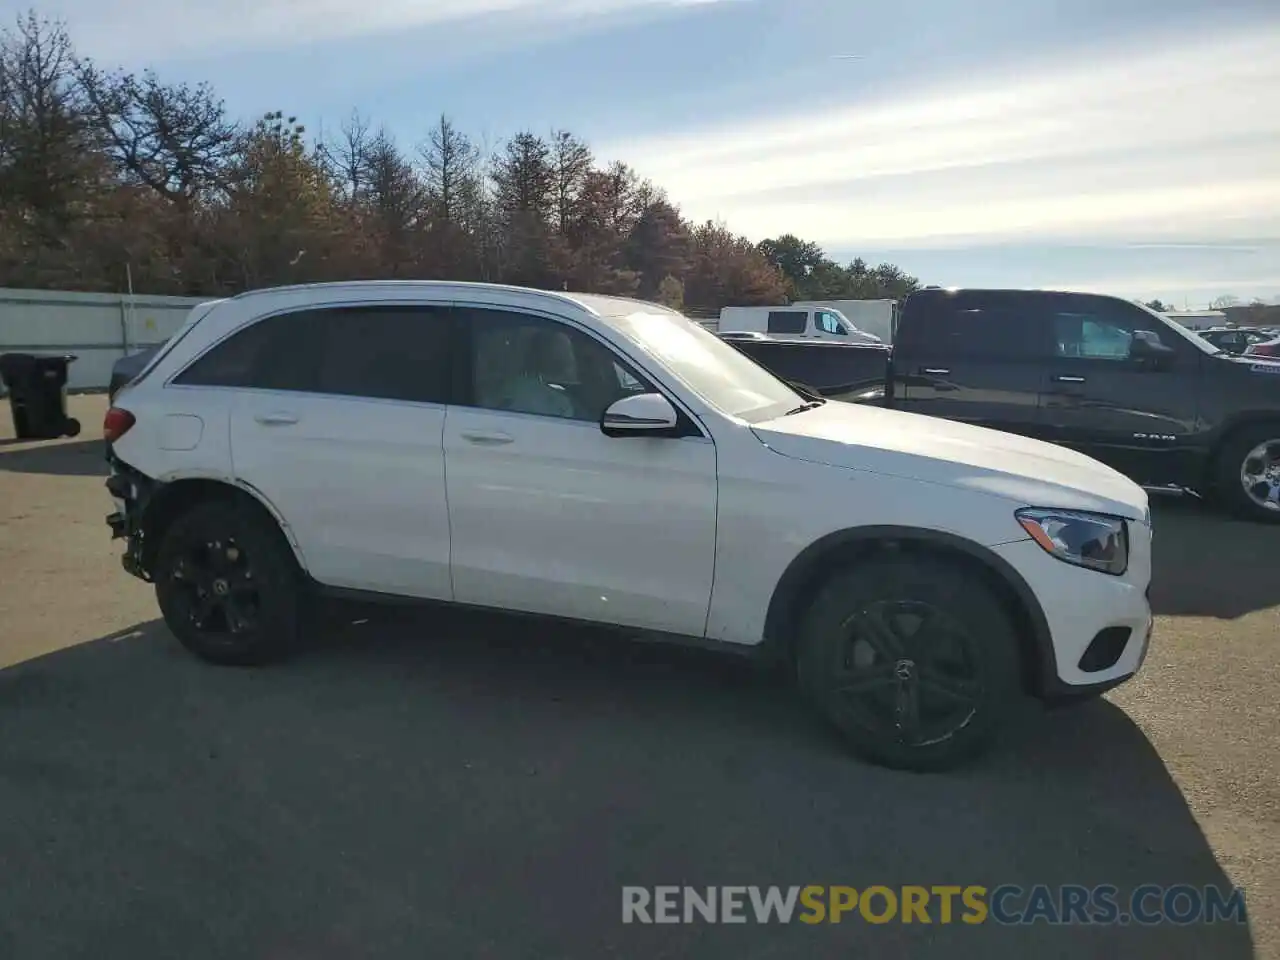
[[808, 569], [1229, 431], [172, 498]]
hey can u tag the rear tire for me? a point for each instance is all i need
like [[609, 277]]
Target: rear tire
[[1246, 453], [228, 585], [913, 659]]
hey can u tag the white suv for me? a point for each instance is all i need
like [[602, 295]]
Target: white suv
[[607, 460]]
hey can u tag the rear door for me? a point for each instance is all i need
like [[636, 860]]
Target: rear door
[[337, 421], [973, 356]]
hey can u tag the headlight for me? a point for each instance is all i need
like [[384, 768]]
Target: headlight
[[1086, 539]]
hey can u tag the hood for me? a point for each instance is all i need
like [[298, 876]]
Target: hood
[[916, 447], [1259, 365]]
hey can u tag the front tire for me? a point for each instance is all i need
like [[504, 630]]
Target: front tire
[[227, 585], [913, 659], [1247, 473]]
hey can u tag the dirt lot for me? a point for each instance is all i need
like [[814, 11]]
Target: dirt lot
[[472, 786]]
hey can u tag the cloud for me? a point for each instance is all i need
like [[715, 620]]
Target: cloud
[[1164, 144], [116, 30]]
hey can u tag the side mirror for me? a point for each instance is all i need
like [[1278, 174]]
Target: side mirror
[[640, 415], [1148, 350]]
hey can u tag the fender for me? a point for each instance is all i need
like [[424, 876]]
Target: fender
[[800, 574]]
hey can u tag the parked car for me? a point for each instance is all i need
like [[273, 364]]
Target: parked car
[[606, 460], [877, 318], [128, 367], [1234, 339], [1102, 375], [838, 371], [1266, 347]]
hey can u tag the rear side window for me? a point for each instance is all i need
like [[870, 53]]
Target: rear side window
[[1013, 328], [390, 353], [787, 321], [384, 352]]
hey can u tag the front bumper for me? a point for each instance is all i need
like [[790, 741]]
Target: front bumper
[[1086, 613]]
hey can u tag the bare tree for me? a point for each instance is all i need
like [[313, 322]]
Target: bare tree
[[175, 139]]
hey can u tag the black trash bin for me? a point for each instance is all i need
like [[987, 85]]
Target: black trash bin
[[37, 388]]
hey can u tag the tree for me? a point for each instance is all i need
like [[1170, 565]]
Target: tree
[[671, 293], [1223, 302], [106, 174], [1158, 306], [797, 259], [657, 247], [727, 269]]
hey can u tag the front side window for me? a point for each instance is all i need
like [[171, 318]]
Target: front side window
[[1091, 338], [720, 374], [1100, 329], [829, 323], [526, 364]]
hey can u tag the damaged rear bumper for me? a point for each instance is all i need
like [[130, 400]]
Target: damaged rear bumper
[[131, 492]]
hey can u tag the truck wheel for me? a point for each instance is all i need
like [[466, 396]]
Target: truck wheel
[[913, 659], [1247, 479], [227, 585]]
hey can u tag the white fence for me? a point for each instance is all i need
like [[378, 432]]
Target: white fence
[[98, 328]]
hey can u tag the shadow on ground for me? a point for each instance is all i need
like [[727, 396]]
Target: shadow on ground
[[68, 458], [1208, 565], [450, 784]]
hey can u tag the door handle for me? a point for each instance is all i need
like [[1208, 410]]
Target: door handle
[[942, 371], [276, 419], [1066, 379], [491, 439]]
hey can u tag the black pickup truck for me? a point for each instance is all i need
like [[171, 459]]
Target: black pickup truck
[[1101, 374]]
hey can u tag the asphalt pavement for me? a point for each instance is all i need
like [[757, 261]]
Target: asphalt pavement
[[420, 783]]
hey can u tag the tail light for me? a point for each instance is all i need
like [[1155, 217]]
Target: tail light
[[116, 424]]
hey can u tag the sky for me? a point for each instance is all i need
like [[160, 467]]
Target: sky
[[1123, 146]]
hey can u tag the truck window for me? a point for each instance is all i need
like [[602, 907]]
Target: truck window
[[827, 322], [1099, 331], [787, 321], [973, 326]]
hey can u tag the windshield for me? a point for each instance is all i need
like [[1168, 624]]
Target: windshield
[[1189, 335], [719, 374]]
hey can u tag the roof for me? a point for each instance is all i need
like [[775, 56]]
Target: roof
[[601, 304]]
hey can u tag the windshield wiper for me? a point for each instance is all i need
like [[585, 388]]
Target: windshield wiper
[[812, 404]]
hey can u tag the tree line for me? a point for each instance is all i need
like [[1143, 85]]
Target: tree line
[[107, 174]]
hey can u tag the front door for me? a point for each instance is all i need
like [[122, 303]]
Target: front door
[[548, 515], [1136, 416], [977, 358]]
